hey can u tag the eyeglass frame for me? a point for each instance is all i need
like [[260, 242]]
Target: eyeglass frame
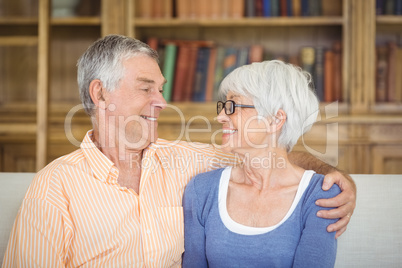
[[233, 109]]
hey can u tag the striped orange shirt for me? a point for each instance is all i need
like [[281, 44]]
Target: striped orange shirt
[[76, 214]]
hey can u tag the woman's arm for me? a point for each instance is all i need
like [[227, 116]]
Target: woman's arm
[[345, 202], [317, 247], [194, 235]]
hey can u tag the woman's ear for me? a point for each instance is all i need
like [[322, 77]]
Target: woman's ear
[[279, 119], [97, 92]]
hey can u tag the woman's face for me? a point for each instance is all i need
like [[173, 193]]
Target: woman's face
[[243, 130]]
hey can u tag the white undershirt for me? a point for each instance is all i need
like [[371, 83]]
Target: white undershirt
[[247, 230]]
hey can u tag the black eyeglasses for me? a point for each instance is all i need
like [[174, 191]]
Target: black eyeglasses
[[229, 106]]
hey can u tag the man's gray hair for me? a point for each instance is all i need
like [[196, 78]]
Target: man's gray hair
[[103, 60], [274, 85]]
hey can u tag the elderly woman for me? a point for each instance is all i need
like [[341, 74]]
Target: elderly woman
[[261, 213]]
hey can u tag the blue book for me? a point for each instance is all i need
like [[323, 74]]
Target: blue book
[[304, 8], [201, 73], [398, 7], [266, 8], [230, 61], [289, 8], [379, 7]]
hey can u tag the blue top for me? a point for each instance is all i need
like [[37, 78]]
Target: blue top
[[213, 239]]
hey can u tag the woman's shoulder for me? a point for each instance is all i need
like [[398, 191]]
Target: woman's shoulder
[[203, 183], [315, 190]]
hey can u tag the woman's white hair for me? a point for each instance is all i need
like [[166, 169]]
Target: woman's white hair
[[103, 60], [274, 85]]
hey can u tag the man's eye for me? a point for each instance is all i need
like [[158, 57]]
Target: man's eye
[[146, 89], [161, 91]]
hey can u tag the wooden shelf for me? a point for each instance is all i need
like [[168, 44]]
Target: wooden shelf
[[67, 21], [244, 22], [389, 19]]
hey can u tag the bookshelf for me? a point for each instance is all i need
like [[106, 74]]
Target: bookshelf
[[364, 126]]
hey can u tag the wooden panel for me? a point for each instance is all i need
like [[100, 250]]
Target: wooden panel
[[387, 159]]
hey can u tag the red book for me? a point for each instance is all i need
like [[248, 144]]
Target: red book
[[283, 8], [256, 53], [180, 73], [328, 76], [192, 64]]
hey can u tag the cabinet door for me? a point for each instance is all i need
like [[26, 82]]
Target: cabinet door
[[387, 159]]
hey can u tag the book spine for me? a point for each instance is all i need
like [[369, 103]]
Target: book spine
[[398, 79], [398, 7], [220, 57], [275, 9], [266, 8], [379, 7], [329, 78], [168, 70], [283, 5], [192, 64], [319, 74], [181, 72], [200, 75], [391, 75], [250, 8], [296, 4], [209, 91], [381, 73], [337, 49]]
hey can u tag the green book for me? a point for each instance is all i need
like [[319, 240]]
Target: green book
[[168, 70]]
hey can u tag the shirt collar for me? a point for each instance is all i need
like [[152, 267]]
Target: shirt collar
[[102, 167]]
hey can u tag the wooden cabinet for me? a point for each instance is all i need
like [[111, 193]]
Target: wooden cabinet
[[38, 78]]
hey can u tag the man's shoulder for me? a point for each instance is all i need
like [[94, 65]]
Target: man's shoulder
[[183, 146]]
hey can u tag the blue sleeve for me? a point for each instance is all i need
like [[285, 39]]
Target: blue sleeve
[[194, 235], [317, 247]]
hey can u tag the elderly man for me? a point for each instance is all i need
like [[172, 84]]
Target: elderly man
[[117, 201]]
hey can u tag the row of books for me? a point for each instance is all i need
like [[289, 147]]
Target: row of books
[[218, 9], [195, 69], [389, 73], [388, 7]]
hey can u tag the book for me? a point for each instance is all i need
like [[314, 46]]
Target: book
[[275, 9], [331, 8], [305, 8], [283, 8], [220, 57], [398, 7], [230, 60], [209, 91], [250, 8], [289, 8], [337, 84], [192, 64], [296, 4], [329, 78], [391, 74], [320, 72], [398, 78], [153, 43], [256, 53], [266, 8], [259, 12], [307, 60], [242, 56], [314, 8], [168, 70], [200, 75], [145, 9], [381, 73], [181, 71], [389, 7], [379, 7], [236, 8]]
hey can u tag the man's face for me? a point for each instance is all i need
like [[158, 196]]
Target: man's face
[[133, 108]]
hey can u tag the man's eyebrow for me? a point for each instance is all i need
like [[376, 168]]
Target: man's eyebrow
[[147, 80]]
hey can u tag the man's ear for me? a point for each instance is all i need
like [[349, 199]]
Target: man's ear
[[97, 92]]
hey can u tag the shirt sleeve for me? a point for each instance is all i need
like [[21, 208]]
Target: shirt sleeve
[[317, 247], [38, 237], [194, 235]]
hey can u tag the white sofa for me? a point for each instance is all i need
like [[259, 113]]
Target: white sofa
[[373, 238]]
